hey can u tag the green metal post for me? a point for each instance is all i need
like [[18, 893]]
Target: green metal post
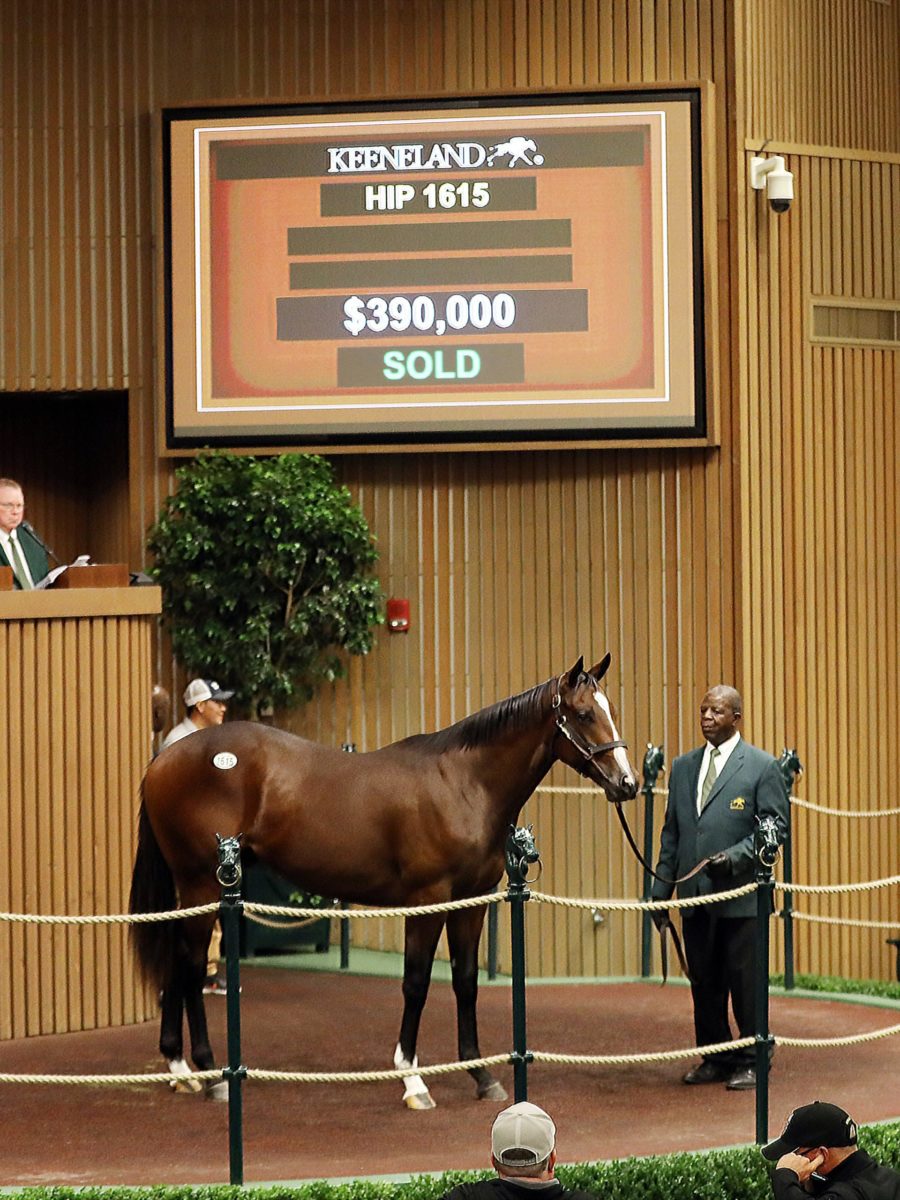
[[654, 761], [520, 853], [766, 856], [790, 767], [228, 874], [348, 748]]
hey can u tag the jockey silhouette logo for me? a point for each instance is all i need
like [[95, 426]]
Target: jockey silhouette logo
[[517, 150]]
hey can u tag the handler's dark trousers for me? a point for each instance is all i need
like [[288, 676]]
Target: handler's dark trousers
[[721, 953]]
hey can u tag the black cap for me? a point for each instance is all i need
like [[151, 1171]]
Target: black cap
[[817, 1124]]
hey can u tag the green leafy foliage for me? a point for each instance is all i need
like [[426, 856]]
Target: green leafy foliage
[[265, 566], [713, 1175], [887, 989]]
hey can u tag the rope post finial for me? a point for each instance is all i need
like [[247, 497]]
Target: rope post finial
[[791, 768], [521, 852], [654, 761]]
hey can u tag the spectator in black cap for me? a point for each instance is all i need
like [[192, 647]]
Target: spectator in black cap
[[817, 1155], [206, 704], [523, 1153]]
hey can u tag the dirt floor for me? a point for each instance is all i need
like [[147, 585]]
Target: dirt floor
[[299, 1020]]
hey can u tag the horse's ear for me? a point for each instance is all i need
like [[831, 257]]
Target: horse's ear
[[602, 666], [577, 670]]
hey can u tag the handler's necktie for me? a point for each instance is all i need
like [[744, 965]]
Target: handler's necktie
[[18, 563], [711, 774]]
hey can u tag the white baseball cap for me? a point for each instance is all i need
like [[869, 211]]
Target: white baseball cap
[[522, 1135], [199, 690]]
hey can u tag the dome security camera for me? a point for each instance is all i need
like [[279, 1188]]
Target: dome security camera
[[771, 174]]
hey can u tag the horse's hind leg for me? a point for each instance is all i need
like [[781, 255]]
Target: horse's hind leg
[[463, 934], [421, 939], [171, 1043], [193, 964]]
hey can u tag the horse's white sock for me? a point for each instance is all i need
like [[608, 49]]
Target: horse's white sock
[[414, 1085]]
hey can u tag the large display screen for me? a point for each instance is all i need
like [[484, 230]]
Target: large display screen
[[500, 271]]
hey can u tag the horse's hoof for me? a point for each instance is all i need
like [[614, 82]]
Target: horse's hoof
[[494, 1091], [186, 1086], [217, 1091], [182, 1081], [419, 1101]]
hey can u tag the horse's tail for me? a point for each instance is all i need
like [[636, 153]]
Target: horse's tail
[[152, 890]]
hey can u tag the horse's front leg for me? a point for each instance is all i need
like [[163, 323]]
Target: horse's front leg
[[463, 934], [421, 939]]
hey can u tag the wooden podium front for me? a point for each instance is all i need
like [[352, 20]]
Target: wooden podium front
[[75, 738], [6, 579], [96, 575]]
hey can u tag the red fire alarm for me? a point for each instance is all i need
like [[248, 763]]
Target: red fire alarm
[[398, 616]]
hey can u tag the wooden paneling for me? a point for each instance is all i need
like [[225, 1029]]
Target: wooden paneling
[[769, 562], [74, 741], [820, 471], [825, 73]]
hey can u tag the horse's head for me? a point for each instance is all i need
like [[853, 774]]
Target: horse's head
[[587, 738]]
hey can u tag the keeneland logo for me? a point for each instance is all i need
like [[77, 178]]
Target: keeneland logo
[[437, 156]]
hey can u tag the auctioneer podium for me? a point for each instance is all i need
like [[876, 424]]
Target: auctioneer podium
[[75, 738]]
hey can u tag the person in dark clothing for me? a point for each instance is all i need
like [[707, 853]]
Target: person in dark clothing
[[817, 1155], [523, 1153], [717, 793]]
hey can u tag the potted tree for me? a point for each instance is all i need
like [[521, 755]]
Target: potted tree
[[265, 566]]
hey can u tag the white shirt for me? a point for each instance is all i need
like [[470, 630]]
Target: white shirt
[[5, 538], [725, 752], [177, 732]]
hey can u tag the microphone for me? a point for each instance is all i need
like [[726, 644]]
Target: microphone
[[29, 528]]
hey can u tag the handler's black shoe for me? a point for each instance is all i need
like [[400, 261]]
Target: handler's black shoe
[[708, 1072], [743, 1080]]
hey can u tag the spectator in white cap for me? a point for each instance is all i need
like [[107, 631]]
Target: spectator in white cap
[[818, 1154], [206, 704], [523, 1153]]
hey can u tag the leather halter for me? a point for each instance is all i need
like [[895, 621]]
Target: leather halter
[[588, 750]]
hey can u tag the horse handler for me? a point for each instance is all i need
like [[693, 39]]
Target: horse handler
[[716, 794], [523, 1153]]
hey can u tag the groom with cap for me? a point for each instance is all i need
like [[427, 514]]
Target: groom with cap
[[206, 704], [817, 1154], [523, 1153]]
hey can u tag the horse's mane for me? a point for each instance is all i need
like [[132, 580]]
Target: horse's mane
[[484, 726]]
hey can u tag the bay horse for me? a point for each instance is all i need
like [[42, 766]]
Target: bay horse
[[421, 821]]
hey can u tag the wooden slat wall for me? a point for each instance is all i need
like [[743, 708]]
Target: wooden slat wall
[[67, 817], [820, 447], [515, 563]]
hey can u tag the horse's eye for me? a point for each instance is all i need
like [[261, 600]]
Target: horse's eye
[[585, 716]]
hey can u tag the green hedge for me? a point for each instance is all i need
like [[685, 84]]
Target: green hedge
[[887, 989], [713, 1175]]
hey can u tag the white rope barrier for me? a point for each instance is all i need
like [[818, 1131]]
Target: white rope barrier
[[178, 914], [856, 922], [795, 800], [546, 1056], [842, 812], [256, 911], [645, 905], [835, 889], [415, 910]]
